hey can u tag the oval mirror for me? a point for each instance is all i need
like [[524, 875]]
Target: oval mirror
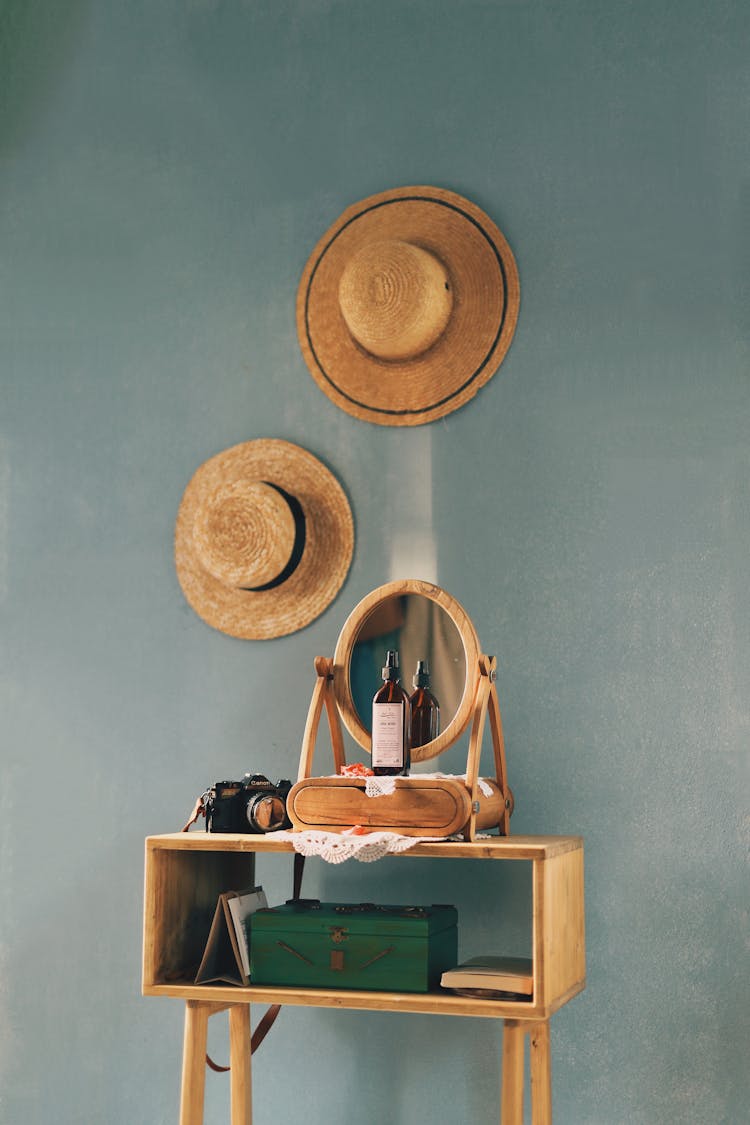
[[422, 623]]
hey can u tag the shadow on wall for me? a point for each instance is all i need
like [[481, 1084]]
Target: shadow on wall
[[36, 40]]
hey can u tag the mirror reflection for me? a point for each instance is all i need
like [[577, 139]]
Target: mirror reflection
[[419, 630]]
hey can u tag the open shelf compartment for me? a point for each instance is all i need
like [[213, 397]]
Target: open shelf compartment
[[186, 872]]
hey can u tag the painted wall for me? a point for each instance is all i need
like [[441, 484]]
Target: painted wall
[[166, 166]]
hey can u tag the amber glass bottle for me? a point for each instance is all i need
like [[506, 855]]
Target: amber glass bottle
[[390, 723], [424, 707]]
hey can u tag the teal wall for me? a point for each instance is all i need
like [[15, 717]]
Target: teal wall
[[166, 167]]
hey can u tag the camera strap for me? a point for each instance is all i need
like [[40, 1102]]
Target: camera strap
[[199, 809], [265, 1024]]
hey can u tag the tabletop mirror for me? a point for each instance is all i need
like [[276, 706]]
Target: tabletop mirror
[[423, 623]]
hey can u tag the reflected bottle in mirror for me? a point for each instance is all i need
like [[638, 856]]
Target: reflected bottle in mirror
[[424, 707], [390, 723]]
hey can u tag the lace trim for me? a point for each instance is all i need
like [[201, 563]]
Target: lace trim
[[337, 847]]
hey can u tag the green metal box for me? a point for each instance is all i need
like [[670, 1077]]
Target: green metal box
[[313, 944]]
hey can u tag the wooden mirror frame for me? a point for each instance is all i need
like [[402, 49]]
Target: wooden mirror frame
[[345, 648]]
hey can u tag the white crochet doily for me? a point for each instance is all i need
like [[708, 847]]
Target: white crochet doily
[[337, 847]]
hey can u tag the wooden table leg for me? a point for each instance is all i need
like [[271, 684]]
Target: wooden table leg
[[194, 1062], [511, 1101], [240, 1075], [541, 1073]]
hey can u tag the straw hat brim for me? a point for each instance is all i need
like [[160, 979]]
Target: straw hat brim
[[325, 560], [486, 296]]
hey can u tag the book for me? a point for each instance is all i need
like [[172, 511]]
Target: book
[[227, 953], [493, 974]]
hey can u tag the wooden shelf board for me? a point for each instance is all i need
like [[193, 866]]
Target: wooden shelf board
[[493, 847], [428, 1003]]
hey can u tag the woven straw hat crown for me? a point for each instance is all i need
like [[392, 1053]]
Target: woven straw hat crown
[[263, 540], [245, 534], [395, 298]]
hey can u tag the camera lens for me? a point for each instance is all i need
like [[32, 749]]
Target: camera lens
[[266, 812]]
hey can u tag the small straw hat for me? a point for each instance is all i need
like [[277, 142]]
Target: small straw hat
[[263, 540], [407, 306]]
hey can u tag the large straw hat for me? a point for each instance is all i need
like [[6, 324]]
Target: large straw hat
[[407, 305], [264, 539]]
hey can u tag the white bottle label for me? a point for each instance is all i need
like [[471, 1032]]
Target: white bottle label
[[388, 734]]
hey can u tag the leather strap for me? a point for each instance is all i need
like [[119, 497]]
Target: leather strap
[[215, 1066], [264, 1026], [299, 870], [268, 1019], [199, 809]]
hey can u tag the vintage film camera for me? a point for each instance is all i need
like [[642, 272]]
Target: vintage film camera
[[254, 804]]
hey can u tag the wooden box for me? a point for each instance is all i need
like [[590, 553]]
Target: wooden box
[[418, 807], [338, 945]]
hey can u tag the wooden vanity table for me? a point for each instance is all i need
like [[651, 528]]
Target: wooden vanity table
[[186, 872]]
